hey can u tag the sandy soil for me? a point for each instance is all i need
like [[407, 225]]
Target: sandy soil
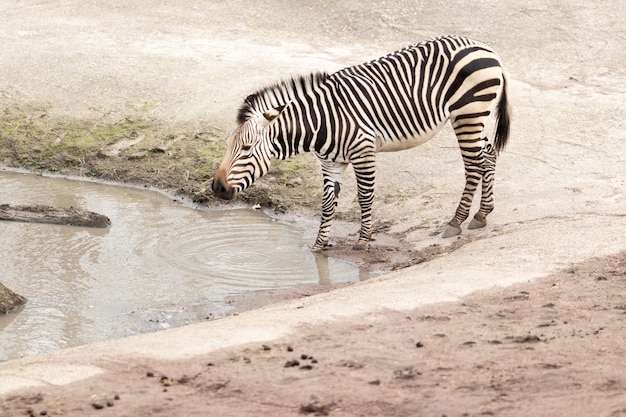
[[554, 346], [550, 347]]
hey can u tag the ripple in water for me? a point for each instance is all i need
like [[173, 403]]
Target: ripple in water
[[241, 248], [159, 265]]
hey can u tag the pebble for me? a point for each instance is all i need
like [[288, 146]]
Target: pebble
[[97, 406], [290, 364], [266, 347], [419, 344], [149, 374]]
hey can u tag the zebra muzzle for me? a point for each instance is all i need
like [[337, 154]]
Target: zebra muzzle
[[222, 190]]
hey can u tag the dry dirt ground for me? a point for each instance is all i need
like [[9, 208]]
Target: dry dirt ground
[[548, 348], [553, 346]]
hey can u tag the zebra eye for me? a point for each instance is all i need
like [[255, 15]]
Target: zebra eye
[[246, 148]]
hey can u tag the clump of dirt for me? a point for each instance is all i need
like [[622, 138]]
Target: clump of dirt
[[9, 300]]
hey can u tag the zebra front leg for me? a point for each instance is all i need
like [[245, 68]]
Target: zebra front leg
[[486, 198], [365, 172], [332, 173]]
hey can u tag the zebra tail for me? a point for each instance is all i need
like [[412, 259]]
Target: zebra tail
[[503, 119]]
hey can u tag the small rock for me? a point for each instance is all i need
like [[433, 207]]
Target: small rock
[[406, 373], [150, 374], [266, 347], [419, 345], [289, 349], [318, 410], [291, 364], [527, 339], [97, 406]]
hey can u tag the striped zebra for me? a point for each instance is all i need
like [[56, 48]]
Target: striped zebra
[[389, 104]]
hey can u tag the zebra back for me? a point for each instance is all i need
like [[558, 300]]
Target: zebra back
[[403, 95]]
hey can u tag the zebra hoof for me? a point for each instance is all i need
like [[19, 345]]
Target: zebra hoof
[[318, 248], [451, 230], [477, 222]]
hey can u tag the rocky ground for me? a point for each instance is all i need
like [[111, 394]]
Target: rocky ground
[[146, 95]]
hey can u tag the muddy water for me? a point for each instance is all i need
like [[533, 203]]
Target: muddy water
[[161, 264]]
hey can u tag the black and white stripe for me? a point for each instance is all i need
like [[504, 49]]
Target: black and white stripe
[[392, 103]]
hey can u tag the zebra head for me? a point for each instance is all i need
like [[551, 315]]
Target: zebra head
[[248, 155]]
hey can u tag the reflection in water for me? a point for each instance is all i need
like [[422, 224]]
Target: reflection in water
[[327, 276], [160, 264]]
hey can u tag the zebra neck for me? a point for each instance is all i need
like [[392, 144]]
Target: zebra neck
[[293, 136]]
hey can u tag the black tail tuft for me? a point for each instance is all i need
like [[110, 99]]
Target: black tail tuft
[[503, 119]]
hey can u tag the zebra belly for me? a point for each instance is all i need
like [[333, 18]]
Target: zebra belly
[[400, 144]]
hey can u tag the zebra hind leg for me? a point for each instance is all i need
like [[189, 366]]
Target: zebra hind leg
[[486, 200], [473, 176]]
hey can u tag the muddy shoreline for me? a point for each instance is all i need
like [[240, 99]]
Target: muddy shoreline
[[385, 253]]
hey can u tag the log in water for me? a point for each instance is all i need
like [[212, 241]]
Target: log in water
[[69, 216]]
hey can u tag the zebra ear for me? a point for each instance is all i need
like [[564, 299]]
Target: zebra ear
[[272, 114]]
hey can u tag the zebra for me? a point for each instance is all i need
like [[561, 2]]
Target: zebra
[[393, 103]]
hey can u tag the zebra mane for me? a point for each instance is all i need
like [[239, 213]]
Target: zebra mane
[[279, 94]]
